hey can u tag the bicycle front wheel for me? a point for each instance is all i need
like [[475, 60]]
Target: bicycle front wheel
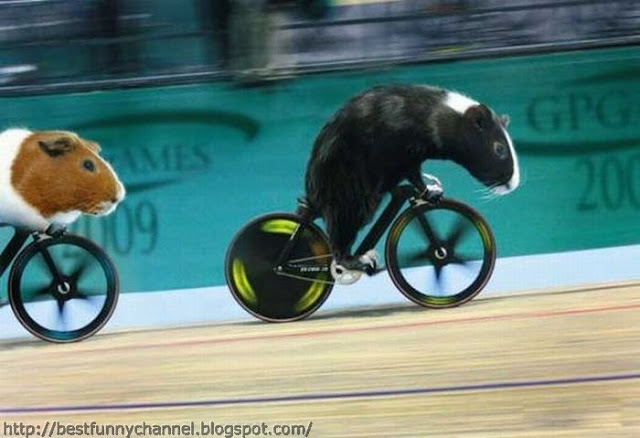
[[63, 289], [440, 255], [253, 278]]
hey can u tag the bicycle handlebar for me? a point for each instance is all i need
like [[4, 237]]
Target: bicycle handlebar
[[55, 230], [433, 189]]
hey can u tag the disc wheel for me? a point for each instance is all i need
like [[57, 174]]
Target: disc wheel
[[252, 277], [63, 289], [440, 255]]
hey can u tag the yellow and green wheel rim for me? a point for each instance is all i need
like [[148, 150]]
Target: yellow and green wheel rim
[[251, 268]]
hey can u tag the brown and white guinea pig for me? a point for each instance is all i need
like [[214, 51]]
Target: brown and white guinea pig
[[383, 135], [52, 177]]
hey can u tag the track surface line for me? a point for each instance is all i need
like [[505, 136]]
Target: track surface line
[[559, 364], [328, 396], [368, 328]]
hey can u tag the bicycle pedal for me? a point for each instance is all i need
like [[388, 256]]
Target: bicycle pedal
[[343, 275], [367, 263]]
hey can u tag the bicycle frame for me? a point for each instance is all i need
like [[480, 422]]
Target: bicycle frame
[[12, 249], [399, 196]]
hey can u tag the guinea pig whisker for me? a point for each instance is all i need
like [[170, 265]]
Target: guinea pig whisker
[[489, 194], [483, 190]]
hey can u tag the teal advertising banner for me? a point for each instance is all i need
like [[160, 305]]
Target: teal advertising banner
[[201, 160]]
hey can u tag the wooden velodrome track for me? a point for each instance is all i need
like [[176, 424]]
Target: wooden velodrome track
[[563, 363]]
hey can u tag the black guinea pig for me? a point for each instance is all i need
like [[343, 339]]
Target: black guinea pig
[[382, 136]]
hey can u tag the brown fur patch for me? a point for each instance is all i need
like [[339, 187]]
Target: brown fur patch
[[61, 184]]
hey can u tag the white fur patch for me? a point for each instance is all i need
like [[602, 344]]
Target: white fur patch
[[65, 218], [13, 208], [514, 182], [458, 102]]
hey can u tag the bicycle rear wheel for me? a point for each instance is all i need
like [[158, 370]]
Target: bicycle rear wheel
[[251, 275], [67, 298], [440, 255]]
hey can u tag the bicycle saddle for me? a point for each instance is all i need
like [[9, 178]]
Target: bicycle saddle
[[305, 209]]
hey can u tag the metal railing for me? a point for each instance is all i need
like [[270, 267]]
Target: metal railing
[[55, 46]]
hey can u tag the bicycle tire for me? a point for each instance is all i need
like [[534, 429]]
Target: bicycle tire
[[435, 259], [250, 268], [105, 283]]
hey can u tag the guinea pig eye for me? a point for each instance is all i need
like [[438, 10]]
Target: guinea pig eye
[[500, 150], [89, 165]]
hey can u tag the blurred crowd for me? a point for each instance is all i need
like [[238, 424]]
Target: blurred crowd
[[53, 41]]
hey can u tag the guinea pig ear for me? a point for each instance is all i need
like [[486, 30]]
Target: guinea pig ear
[[477, 115], [505, 120], [57, 147], [95, 147]]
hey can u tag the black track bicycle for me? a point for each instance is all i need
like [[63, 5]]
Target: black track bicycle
[[438, 254], [62, 287]]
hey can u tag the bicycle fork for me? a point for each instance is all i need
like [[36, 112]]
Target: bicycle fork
[[62, 285]]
